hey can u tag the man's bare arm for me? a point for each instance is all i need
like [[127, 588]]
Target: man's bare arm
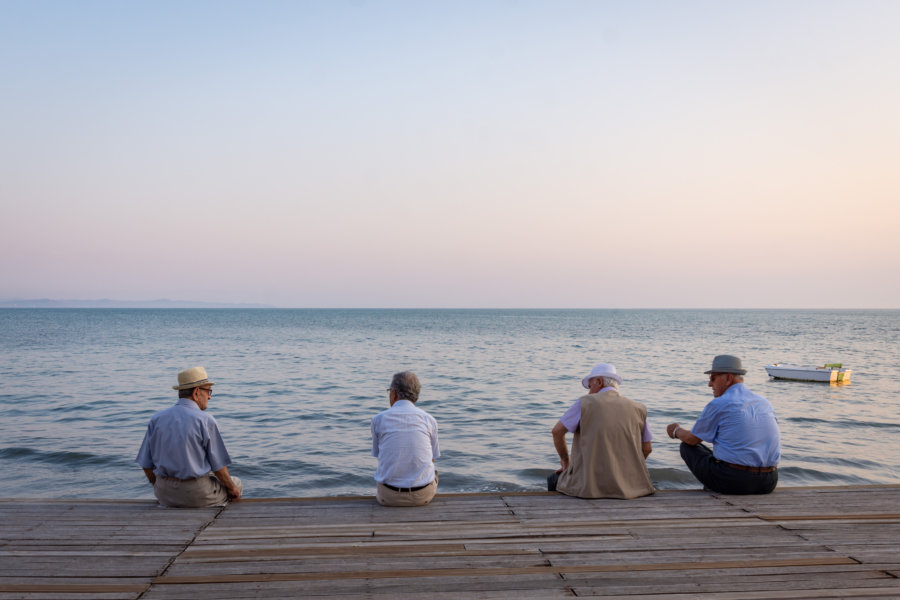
[[559, 442]]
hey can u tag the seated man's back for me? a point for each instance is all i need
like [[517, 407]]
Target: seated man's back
[[607, 457], [611, 444]]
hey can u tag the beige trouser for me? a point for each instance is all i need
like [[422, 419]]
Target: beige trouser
[[389, 497], [192, 493]]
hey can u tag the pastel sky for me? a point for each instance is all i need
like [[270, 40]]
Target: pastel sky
[[452, 154]]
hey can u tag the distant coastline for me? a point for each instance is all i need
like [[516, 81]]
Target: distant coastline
[[167, 303], [107, 303]]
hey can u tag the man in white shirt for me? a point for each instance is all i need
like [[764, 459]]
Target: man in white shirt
[[405, 442]]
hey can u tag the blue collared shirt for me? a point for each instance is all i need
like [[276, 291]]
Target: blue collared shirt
[[405, 442], [742, 428], [183, 441]]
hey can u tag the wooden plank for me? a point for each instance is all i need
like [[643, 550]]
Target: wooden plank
[[392, 550], [858, 593], [416, 573], [885, 517], [75, 588], [449, 587], [67, 596], [235, 593]]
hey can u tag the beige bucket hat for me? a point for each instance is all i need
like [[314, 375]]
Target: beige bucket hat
[[191, 378]]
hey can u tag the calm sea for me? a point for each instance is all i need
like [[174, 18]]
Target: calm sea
[[296, 389]]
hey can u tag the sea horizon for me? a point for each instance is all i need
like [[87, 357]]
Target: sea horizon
[[165, 304]]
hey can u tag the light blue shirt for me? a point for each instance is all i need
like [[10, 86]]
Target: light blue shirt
[[184, 442], [405, 442], [742, 427]]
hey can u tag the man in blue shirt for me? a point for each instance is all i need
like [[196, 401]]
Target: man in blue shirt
[[744, 432], [183, 455]]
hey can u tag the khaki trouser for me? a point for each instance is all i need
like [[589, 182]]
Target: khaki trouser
[[389, 497], [192, 493]]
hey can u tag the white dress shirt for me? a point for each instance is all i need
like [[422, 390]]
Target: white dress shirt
[[405, 442]]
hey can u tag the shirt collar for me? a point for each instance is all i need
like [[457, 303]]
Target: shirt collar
[[735, 386], [187, 403], [406, 403]]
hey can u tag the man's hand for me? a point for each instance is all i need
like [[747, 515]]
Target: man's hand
[[233, 492], [676, 431], [151, 476], [563, 465]]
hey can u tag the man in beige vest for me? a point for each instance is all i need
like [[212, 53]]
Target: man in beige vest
[[611, 444]]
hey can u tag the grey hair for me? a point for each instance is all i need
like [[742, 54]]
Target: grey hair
[[407, 385], [609, 381]]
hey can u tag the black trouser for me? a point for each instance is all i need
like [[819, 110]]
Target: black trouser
[[721, 478], [551, 482]]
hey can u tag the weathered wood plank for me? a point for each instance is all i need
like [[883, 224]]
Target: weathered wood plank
[[857, 593], [415, 573], [528, 586], [823, 542], [76, 588]]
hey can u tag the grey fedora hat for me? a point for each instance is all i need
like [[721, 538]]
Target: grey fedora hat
[[725, 363]]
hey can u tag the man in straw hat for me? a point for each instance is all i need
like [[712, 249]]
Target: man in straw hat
[[744, 432], [183, 455], [611, 444], [405, 442]]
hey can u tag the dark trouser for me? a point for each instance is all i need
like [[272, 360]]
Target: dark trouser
[[721, 478], [551, 482]]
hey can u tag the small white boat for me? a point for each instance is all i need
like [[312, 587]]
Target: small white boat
[[831, 372]]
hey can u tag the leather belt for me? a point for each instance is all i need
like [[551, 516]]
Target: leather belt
[[750, 469], [176, 479], [412, 489]]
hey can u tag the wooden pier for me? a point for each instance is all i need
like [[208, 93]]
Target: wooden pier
[[828, 542]]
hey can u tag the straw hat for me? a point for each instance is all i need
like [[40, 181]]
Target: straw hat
[[725, 363], [191, 378], [601, 370]]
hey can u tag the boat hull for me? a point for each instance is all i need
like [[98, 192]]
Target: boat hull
[[820, 374]]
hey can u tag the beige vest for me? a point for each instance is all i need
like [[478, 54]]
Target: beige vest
[[607, 461]]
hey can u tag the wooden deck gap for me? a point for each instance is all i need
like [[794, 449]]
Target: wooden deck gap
[[567, 588], [182, 551], [797, 534], [511, 510]]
